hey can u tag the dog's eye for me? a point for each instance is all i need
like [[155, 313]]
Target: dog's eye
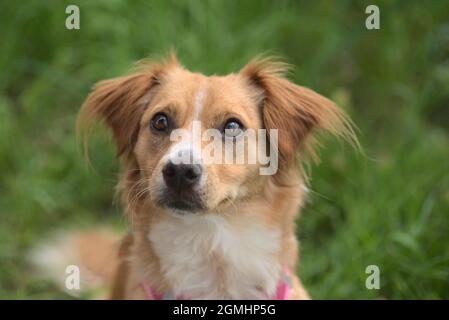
[[232, 128], [160, 122]]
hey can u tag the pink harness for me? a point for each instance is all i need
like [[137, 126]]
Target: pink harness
[[283, 290]]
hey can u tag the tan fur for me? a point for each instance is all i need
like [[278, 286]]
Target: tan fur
[[98, 251], [260, 97]]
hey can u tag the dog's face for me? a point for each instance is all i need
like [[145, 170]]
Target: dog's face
[[179, 175], [180, 127]]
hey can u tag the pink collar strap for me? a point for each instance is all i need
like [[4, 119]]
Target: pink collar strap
[[283, 290]]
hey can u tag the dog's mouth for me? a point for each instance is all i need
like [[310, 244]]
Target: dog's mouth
[[182, 203]]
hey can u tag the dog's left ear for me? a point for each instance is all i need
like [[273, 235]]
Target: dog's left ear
[[293, 110], [120, 103]]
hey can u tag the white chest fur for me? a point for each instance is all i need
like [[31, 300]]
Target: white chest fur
[[205, 257]]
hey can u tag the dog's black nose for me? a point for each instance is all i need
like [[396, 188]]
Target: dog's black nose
[[178, 176]]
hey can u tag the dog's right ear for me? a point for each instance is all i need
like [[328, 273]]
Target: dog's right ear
[[120, 103], [295, 111]]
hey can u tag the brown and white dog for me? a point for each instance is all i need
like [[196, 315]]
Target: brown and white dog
[[204, 230]]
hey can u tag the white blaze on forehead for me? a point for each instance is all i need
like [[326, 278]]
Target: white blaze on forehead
[[199, 102], [188, 140], [187, 145], [184, 152]]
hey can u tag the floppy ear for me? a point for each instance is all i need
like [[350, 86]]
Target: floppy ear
[[294, 110], [120, 102]]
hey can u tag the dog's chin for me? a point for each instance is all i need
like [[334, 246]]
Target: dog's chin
[[180, 212], [184, 206]]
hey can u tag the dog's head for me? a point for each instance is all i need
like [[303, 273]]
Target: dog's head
[[193, 138]]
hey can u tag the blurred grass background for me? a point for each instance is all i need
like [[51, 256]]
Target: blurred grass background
[[389, 208]]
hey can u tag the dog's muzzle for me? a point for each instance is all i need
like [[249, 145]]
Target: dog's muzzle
[[181, 186]]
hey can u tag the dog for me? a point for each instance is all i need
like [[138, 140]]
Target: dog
[[204, 230]]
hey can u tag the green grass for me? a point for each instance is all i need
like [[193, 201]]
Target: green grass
[[389, 207]]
